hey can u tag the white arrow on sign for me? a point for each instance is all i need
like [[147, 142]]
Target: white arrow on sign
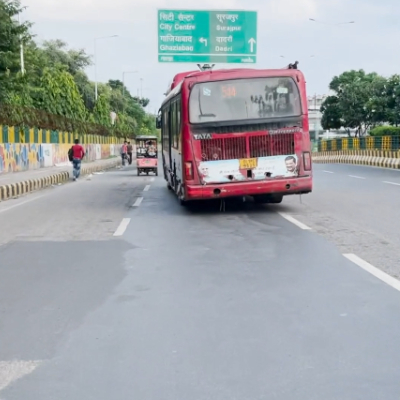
[[252, 43], [203, 40]]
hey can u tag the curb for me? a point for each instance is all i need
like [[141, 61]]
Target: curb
[[20, 188], [336, 157]]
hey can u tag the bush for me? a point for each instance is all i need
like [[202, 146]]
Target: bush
[[385, 131]]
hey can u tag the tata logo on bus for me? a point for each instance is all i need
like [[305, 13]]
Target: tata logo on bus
[[202, 136]]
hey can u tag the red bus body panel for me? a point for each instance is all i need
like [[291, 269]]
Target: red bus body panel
[[186, 166]]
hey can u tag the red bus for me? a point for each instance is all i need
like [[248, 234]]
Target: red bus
[[236, 132]]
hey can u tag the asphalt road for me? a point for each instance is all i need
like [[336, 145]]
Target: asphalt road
[[111, 290], [357, 209]]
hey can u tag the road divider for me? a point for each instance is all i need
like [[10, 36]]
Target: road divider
[[373, 158], [18, 189]]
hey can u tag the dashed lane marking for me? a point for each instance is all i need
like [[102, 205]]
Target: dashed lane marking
[[146, 188], [383, 276], [137, 202], [392, 183], [356, 177], [122, 227], [294, 221], [328, 172]]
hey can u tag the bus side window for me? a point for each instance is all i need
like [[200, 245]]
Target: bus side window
[[179, 124], [166, 128], [173, 124]]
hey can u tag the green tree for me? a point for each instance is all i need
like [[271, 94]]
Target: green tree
[[57, 52], [12, 34], [392, 96], [359, 102], [331, 113], [60, 94]]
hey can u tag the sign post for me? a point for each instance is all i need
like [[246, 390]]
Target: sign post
[[191, 36]]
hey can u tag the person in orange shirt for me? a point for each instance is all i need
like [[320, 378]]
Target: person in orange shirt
[[124, 152]]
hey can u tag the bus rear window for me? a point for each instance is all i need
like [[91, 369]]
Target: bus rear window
[[242, 99]]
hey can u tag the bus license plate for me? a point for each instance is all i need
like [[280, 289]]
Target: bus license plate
[[248, 163]]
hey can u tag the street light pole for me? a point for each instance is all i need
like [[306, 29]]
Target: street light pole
[[330, 23], [95, 62], [21, 49]]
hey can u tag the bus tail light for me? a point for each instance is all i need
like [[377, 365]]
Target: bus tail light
[[189, 170], [307, 161]]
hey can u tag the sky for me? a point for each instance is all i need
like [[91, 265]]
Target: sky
[[285, 34]]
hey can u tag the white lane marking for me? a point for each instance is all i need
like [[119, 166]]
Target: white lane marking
[[20, 204], [151, 179], [146, 188], [294, 221], [10, 371], [328, 172], [391, 183], [122, 227], [355, 176], [137, 202], [383, 276]]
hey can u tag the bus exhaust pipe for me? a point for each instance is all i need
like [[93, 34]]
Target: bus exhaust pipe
[[287, 187], [217, 192]]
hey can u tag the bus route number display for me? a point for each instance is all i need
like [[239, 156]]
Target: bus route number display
[[228, 91]]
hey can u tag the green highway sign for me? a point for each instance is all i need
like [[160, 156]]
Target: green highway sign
[[207, 36]]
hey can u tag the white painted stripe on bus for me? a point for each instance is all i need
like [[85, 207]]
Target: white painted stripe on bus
[[366, 266], [294, 221]]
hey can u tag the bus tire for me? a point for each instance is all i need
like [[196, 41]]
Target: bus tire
[[138, 172], [156, 172], [268, 199], [169, 187]]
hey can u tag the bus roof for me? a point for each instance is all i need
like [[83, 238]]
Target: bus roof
[[231, 73]]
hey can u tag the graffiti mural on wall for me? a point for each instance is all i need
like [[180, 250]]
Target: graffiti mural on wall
[[60, 154], [16, 157]]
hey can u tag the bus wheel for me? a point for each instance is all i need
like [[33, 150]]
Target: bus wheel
[[268, 198], [183, 203], [169, 186], [275, 199], [156, 172], [138, 172]]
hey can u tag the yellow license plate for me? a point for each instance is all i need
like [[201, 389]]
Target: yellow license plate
[[248, 163]]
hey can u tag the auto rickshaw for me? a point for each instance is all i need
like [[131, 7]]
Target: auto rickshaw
[[146, 154]]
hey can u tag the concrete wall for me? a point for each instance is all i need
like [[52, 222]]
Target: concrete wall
[[29, 149], [16, 157]]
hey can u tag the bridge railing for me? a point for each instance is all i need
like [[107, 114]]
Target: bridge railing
[[383, 143]]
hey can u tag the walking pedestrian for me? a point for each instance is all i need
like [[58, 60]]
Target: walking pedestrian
[[124, 152], [130, 151], [76, 153]]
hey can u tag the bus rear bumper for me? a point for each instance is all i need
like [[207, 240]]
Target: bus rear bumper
[[300, 185]]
